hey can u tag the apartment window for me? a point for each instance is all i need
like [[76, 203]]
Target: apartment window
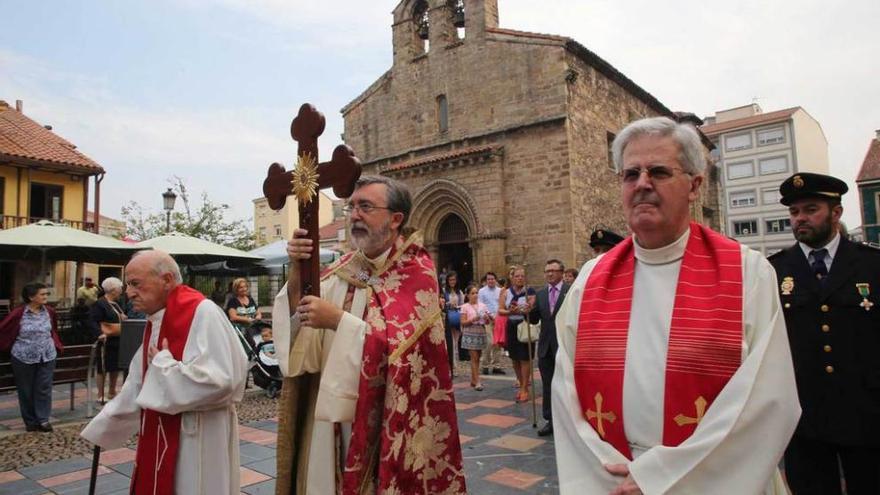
[[770, 196], [609, 142], [775, 165], [771, 136], [740, 170], [777, 225], [442, 113], [738, 142], [740, 199], [745, 227], [46, 201]]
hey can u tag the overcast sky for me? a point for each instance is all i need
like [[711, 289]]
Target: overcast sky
[[206, 89]]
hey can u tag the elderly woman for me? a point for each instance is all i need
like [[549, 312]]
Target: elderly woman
[[30, 334], [241, 308], [106, 317]]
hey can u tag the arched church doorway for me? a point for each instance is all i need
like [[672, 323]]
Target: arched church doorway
[[454, 250]]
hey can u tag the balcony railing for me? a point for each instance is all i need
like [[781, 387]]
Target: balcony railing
[[10, 221]]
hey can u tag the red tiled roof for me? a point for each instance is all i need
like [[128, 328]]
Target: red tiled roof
[[871, 165], [331, 230], [22, 138], [441, 157], [763, 118]]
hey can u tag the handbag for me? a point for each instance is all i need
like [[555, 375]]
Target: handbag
[[527, 332]]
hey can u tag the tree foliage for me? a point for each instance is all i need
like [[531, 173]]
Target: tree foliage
[[204, 220]]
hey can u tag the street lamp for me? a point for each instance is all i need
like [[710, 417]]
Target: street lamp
[[168, 198]]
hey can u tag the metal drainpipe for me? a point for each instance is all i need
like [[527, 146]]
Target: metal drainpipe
[[98, 179]]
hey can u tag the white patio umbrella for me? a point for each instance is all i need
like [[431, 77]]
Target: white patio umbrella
[[48, 240], [187, 250], [275, 254]]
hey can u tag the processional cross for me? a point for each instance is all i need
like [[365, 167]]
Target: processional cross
[[304, 182]]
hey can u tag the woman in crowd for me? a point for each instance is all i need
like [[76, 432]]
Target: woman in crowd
[[30, 333], [242, 309], [474, 317], [453, 298], [106, 318], [516, 304]]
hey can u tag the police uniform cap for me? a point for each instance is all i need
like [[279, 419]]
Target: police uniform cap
[[810, 185], [604, 236]]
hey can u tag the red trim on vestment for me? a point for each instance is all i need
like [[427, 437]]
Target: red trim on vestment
[[159, 438], [705, 341]]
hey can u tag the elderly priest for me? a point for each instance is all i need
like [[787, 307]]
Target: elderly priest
[[673, 373]]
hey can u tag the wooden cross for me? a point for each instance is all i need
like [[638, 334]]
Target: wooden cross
[[340, 173], [599, 416], [700, 405]]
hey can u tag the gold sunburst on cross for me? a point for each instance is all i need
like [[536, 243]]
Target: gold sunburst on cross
[[304, 178]]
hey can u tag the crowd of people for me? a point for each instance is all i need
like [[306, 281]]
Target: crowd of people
[[677, 361]]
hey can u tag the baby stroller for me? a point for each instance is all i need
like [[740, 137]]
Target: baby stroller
[[263, 365]]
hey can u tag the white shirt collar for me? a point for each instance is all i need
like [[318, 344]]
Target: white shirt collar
[[558, 286], [156, 318], [832, 246], [378, 261], [662, 255]]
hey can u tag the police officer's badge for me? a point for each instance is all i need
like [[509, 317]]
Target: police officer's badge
[[797, 181], [787, 286], [865, 291]]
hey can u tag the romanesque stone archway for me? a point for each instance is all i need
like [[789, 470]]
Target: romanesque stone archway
[[445, 212]]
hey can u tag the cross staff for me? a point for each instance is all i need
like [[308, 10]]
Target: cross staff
[[340, 173]]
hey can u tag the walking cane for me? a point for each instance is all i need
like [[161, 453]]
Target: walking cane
[[96, 457], [531, 375]]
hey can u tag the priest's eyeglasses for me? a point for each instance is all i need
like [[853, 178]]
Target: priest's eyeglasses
[[363, 208], [656, 174]]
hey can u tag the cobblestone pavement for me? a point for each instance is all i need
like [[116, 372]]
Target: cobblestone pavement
[[501, 450]]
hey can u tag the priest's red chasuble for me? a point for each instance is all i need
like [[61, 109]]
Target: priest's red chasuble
[[404, 435], [705, 339], [159, 436]]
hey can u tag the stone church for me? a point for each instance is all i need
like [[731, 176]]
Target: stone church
[[503, 136]]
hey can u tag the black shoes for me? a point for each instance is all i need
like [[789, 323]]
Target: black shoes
[[45, 427], [498, 371], [547, 430]]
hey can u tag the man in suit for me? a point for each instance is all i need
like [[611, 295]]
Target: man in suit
[[547, 302], [827, 287]]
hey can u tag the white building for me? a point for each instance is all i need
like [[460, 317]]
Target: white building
[[756, 151]]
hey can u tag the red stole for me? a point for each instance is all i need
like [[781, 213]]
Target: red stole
[[159, 438], [705, 339], [405, 434]]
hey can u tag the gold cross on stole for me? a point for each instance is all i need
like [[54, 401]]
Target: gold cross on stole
[[599, 416], [700, 404]]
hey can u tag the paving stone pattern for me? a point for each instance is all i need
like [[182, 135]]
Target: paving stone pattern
[[501, 449]]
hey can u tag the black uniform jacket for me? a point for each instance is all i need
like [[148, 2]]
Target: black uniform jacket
[[834, 332]]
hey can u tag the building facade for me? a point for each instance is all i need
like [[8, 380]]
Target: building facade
[[42, 176], [271, 225], [868, 182], [502, 135], [755, 152]]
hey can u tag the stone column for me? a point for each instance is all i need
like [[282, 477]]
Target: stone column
[[479, 15]]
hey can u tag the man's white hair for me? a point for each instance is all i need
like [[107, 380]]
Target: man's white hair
[[110, 284], [161, 263], [691, 155]]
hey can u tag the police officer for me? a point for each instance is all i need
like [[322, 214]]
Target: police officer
[[602, 240], [828, 287]]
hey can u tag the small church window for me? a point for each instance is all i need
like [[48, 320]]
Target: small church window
[[609, 142], [442, 113]]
